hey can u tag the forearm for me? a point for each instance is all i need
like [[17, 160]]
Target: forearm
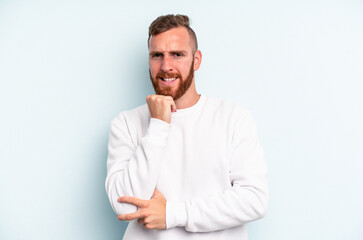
[[235, 206]]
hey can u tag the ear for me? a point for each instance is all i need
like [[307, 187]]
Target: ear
[[197, 60]]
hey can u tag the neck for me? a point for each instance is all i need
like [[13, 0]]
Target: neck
[[189, 98]]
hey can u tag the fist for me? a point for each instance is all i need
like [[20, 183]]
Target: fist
[[161, 107]]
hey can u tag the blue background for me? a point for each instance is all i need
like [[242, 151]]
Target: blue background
[[68, 67]]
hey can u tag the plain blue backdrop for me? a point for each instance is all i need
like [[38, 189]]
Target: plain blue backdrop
[[68, 67]]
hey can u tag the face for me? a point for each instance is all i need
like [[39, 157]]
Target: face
[[171, 62]]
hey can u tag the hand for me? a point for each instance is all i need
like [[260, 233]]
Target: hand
[[160, 107], [151, 213]]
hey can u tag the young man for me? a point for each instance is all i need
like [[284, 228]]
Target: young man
[[184, 165]]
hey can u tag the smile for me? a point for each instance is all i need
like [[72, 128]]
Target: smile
[[171, 81], [168, 79]]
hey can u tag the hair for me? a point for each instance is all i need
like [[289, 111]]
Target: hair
[[167, 22]]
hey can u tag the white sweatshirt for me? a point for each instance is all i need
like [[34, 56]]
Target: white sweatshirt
[[208, 163]]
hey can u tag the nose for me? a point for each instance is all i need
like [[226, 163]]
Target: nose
[[166, 64]]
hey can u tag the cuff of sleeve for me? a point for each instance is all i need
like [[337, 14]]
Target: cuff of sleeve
[[176, 214], [158, 128]]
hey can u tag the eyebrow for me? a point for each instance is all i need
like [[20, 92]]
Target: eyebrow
[[154, 52], [172, 52], [180, 52]]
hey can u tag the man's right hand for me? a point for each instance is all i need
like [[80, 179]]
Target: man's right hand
[[160, 107]]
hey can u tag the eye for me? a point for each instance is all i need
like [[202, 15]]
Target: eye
[[156, 55], [178, 54]]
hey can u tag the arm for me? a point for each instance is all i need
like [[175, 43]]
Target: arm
[[246, 200], [133, 170]]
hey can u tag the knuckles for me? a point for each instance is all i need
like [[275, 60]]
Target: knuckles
[[147, 220], [158, 98], [148, 226]]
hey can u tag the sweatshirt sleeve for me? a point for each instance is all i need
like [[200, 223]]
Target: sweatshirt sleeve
[[133, 170], [244, 201]]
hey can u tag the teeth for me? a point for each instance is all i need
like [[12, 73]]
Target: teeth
[[169, 79]]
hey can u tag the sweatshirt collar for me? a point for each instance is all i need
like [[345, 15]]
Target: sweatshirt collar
[[195, 107]]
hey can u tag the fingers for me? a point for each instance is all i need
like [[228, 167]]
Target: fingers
[[169, 101], [161, 107], [155, 194], [173, 107], [172, 104], [156, 97], [134, 201], [129, 216], [146, 223], [162, 99], [141, 220], [150, 213]]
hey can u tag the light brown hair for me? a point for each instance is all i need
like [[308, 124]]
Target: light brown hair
[[167, 22]]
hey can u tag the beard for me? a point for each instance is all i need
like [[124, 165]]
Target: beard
[[182, 87]]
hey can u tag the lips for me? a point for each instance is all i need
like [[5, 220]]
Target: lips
[[168, 79]]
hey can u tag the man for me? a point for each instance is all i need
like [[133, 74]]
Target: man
[[184, 165]]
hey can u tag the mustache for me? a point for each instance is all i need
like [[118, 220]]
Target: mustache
[[168, 75]]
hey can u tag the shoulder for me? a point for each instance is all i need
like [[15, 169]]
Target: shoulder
[[226, 107], [134, 116]]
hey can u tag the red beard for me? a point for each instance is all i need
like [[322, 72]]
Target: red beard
[[182, 87]]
